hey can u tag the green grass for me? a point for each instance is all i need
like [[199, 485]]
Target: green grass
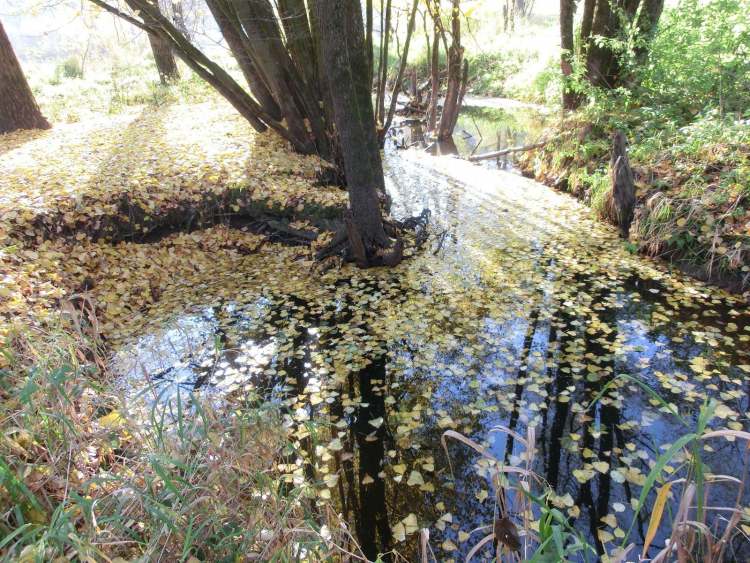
[[84, 475]]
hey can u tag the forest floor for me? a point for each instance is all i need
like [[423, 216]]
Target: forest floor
[[77, 202]]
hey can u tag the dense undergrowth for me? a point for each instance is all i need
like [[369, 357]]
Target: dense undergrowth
[[684, 112]]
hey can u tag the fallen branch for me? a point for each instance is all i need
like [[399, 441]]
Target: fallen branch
[[509, 150]]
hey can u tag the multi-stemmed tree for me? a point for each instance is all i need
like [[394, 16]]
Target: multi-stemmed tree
[[308, 77], [605, 25]]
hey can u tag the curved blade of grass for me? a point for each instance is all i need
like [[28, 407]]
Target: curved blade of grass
[[654, 474], [486, 539], [656, 514], [653, 394]]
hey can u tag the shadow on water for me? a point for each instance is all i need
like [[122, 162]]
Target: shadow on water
[[525, 314]]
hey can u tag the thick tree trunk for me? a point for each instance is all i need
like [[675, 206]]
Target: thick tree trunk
[[166, 65], [602, 66], [18, 109], [342, 48], [455, 57], [567, 10]]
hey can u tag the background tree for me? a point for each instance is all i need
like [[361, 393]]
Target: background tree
[[18, 109], [606, 27], [166, 65], [458, 73]]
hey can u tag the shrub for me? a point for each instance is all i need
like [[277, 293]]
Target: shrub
[[69, 68]]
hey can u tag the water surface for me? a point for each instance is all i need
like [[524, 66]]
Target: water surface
[[519, 313]]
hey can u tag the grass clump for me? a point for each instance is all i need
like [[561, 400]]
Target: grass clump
[[86, 476]]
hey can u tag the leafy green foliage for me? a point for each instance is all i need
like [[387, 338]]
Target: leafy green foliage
[[700, 60]]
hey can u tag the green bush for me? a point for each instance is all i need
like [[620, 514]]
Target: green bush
[[69, 68], [490, 71], [700, 59]]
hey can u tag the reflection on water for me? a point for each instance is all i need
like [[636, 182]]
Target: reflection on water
[[527, 310], [479, 130]]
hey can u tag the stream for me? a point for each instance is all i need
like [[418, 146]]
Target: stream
[[519, 313]]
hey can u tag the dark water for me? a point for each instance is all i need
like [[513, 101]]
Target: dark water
[[519, 313]]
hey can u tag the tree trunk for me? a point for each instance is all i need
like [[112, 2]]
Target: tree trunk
[[369, 47], [602, 66], [178, 16], [567, 11], [400, 75], [435, 80], [342, 48], [293, 14], [253, 78], [461, 95], [620, 203], [385, 39], [587, 21], [166, 65], [455, 56], [648, 20], [18, 109]]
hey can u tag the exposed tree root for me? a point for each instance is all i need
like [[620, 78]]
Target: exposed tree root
[[347, 243]]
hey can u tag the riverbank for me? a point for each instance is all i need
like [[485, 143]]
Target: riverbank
[[692, 187], [105, 223]]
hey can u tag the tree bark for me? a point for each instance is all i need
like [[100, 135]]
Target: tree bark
[[620, 204], [434, 79], [368, 40], [602, 66], [567, 11], [166, 65], [587, 21], [647, 23], [385, 39], [299, 41], [178, 15], [18, 108], [342, 48], [253, 78], [461, 94], [455, 57]]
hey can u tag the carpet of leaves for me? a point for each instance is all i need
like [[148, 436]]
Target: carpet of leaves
[[62, 194]]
